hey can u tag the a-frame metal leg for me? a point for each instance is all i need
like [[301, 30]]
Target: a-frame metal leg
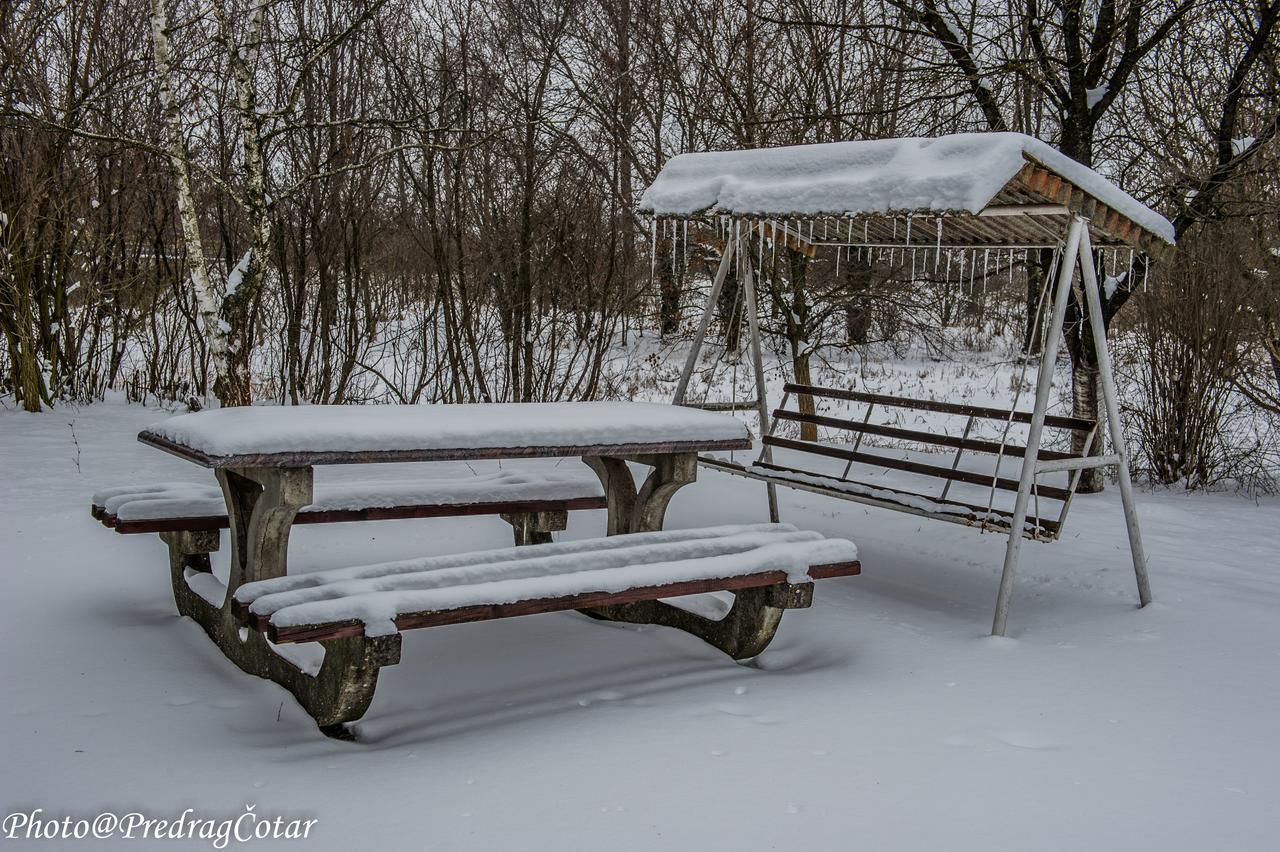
[[1089, 276], [730, 246], [751, 308], [1044, 383]]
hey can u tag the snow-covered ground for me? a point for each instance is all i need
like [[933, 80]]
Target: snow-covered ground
[[883, 717]]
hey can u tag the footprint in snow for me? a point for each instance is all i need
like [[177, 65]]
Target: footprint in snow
[[602, 695], [1026, 739]]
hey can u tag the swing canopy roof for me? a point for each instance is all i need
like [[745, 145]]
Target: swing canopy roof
[[992, 189]]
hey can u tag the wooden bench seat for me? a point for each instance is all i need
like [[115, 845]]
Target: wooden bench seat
[[1039, 523], [390, 597], [518, 494], [357, 614]]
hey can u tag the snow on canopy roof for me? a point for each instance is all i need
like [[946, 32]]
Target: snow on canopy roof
[[960, 173]]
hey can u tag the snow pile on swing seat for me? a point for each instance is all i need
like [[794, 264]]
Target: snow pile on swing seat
[[960, 173]]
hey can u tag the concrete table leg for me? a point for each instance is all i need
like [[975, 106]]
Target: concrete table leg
[[261, 505], [751, 622]]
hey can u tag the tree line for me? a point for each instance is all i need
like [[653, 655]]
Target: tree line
[[433, 200]]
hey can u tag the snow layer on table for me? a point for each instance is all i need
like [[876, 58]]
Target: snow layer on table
[[960, 173], [382, 428], [376, 594], [195, 500]]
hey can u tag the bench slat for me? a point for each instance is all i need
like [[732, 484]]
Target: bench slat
[[171, 507], [439, 618], [381, 513], [562, 575], [883, 495], [1056, 421], [1049, 491], [975, 444]]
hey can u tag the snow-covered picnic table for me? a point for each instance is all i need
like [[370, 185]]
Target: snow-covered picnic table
[[285, 437], [264, 456], [264, 460]]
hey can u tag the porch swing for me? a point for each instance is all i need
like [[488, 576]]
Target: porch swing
[[929, 202]]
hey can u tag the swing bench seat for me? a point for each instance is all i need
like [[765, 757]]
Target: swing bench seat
[[1038, 525]]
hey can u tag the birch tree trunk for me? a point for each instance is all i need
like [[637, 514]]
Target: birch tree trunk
[[208, 295], [241, 294]]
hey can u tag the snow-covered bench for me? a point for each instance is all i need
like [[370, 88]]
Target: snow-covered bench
[[770, 567], [536, 503]]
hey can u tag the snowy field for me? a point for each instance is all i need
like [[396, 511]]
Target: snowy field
[[883, 717]]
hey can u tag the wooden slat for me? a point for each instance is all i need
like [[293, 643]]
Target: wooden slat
[[1054, 420], [973, 478], [1048, 525], [378, 513], [790, 240], [307, 459], [588, 600], [1015, 450], [1112, 226]]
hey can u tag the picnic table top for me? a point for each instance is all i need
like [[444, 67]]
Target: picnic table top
[[302, 436]]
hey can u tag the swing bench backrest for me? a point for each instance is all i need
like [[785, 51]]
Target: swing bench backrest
[[1042, 522]]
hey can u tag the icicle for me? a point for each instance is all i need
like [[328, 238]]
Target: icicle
[[908, 230], [1010, 267], [1129, 274], [937, 252], [671, 235], [947, 279], [653, 250], [762, 247], [849, 239], [839, 250], [913, 266]]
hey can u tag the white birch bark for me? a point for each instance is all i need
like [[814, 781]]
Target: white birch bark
[[242, 61], [208, 294]]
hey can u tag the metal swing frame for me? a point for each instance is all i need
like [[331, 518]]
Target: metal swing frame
[[1077, 251]]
